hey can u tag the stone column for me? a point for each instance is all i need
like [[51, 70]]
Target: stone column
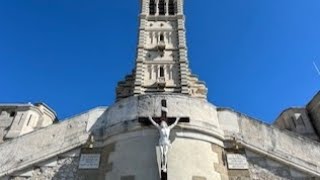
[[157, 7], [167, 7], [180, 7], [144, 7]]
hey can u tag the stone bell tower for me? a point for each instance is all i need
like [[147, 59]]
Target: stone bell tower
[[162, 62], [161, 127]]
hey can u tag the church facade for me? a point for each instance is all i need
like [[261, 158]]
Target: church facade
[[161, 126]]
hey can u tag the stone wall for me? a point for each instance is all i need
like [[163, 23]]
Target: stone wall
[[38, 146], [285, 147], [264, 168], [221, 166], [63, 167]]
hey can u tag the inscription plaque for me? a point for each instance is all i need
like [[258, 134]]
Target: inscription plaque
[[237, 161], [89, 161]]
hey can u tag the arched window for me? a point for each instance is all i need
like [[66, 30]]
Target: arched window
[[162, 7], [172, 7], [152, 7], [161, 71], [161, 38]]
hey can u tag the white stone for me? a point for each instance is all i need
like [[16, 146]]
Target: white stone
[[141, 155], [189, 158], [229, 121]]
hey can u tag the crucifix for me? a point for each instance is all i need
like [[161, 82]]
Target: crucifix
[[164, 125]]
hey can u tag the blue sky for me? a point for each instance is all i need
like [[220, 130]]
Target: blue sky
[[255, 56]]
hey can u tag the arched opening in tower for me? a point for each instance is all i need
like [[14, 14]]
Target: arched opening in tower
[[152, 7], [172, 7], [161, 72], [162, 7]]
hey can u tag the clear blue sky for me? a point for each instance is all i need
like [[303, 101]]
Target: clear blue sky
[[255, 56]]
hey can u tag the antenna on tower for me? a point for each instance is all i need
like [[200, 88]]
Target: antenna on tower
[[316, 67]]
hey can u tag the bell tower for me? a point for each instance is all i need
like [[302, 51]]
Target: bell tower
[[162, 59]]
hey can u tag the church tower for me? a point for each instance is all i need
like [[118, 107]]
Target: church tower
[[161, 127], [162, 60]]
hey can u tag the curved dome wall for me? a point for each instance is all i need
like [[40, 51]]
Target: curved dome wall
[[202, 114], [132, 147]]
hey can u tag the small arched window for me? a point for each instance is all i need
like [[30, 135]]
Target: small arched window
[[172, 7], [161, 71], [162, 7], [161, 37], [152, 7]]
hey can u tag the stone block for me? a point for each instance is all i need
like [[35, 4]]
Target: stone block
[[198, 178]]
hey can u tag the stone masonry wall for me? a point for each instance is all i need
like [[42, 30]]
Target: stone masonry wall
[[64, 167], [264, 168]]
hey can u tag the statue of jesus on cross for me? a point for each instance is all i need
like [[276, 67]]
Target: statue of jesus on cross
[[164, 141]]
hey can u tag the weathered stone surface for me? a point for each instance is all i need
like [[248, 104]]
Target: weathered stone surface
[[134, 154], [45, 143], [202, 114], [262, 167], [105, 163], [198, 178], [89, 161], [200, 164], [127, 146], [287, 148], [66, 168], [297, 120]]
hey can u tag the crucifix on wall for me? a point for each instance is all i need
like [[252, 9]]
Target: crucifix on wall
[[164, 125]]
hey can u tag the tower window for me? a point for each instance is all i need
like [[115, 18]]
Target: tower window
[[152, 7], [172, 7], [161, 37], [162, 7], [161, 72]]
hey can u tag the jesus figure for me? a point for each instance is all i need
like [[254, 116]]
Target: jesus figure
[[164, 141]]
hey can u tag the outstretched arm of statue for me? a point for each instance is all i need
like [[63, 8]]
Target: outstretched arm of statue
[[175, 123], [154, 123]]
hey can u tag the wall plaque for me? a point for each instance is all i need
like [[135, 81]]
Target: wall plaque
[[89, 161], [237, 161]]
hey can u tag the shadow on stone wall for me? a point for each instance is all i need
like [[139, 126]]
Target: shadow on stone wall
[[67, 169]]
